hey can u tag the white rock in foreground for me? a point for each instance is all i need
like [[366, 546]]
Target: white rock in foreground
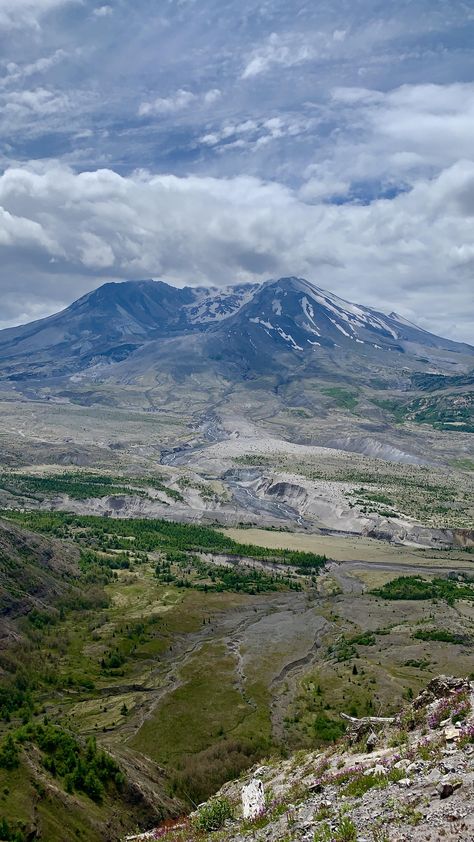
[[253, 799]]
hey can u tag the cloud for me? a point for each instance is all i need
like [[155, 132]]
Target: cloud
[[389, 139], [321, 161], [255, 133], [38, 101], [280, 50], [319, 44], [179, 101], [19, 13], [16, 73], [167, 105], [30, 112], [210, 97], [433, 122], [317, 189], [414, 253], [103, 11]]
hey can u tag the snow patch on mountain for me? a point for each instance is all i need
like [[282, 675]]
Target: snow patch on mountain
[[258, 321], [288, 338], [219, 304]]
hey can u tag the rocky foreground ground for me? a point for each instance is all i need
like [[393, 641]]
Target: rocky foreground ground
[[410, 777]]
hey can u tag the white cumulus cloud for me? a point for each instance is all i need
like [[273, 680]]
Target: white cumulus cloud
[[413, 253], [166, 105]]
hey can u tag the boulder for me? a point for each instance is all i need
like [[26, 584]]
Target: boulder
[[253, 799]]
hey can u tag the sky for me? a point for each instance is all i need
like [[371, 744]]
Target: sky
[[219, 141]]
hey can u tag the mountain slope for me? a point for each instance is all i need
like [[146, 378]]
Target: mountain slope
[[295, 316], [280, 351], [142, 333], [380, 782], [110, 323]]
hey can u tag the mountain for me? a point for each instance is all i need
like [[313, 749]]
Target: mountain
[[111, 323], [299, 318], [246, 324]]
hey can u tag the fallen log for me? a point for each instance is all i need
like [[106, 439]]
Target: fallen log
[[369, 720]]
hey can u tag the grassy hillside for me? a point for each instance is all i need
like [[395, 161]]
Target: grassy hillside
[[145, 662], [52, 777], [94, 614]]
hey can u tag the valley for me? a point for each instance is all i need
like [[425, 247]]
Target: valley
[[210, 548], [203, 653]]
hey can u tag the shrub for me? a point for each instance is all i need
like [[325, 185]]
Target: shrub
[[326, 729], [9, 754], [345, 831], [363, 783], [440, 635], [9, 834], [364, 639], [415, 587], [200, 775], [213, 815]]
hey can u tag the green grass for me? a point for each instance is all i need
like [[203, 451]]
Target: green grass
[[81, 485], [361, 783], [31, 796], [441, 635], [144, 665], [207, 729], [343, 398], [464, 464], [102, 533], [414, 587]]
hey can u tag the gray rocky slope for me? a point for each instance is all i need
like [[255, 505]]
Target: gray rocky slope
[[123, 330], [395, 780]]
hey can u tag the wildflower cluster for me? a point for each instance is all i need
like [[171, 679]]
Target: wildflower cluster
[[454, 707], [466, 735], [359, 778], [339, 777], [425, 749], [270, 812]]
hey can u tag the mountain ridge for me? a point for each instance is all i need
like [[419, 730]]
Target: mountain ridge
[[247, 322], [284, 354]]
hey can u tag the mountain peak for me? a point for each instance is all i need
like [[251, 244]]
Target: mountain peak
[[247, 325]]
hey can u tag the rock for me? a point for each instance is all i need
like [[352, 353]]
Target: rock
[[372, 741], [446, 788], [438, 688], [260, 772], [449, 765], [401, 764], [316, 786], [378, 770], [433, 776], [416, 766], [253, 799], [405, 782], [451, 733]]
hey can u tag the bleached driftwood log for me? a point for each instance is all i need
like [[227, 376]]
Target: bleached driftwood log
[[369, 720], [364, 728]]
